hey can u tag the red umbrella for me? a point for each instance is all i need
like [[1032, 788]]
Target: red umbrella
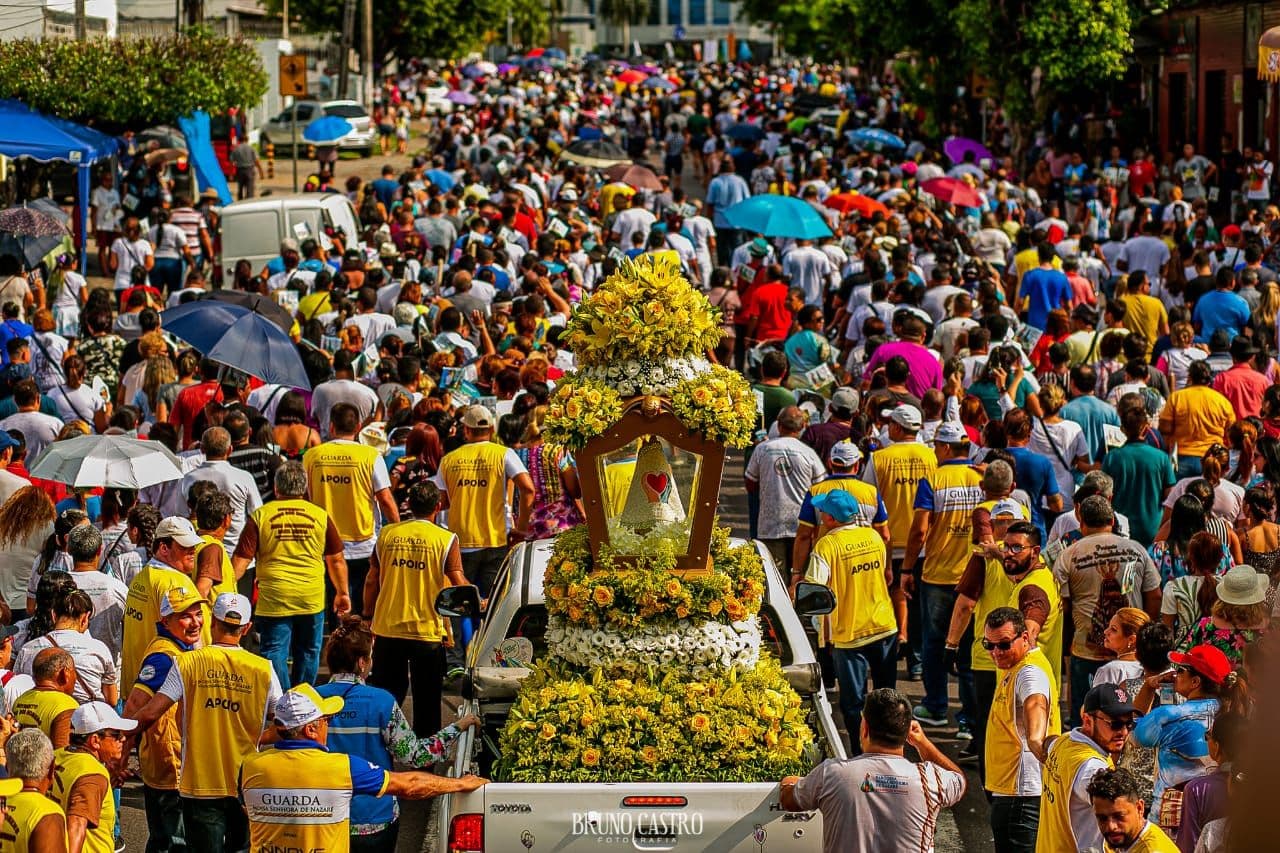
[[863, 205], [952, 190], [632, 77]]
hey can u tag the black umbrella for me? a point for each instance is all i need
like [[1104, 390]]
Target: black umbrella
[[34, 232], [257, 303], [595, 152], [744, 132]]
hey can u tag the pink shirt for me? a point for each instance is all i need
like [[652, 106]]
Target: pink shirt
[[1244, 387], [926, 372], [1081, 290]]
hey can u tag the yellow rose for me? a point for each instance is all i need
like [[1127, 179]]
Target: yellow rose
[[591, 756], [682, 612], [673, 588], [602, 596], [649, 754], [555, 593], [742, 733], [771, 738], [700, 722], [548, 731], [575, 613], [586, 719], [715, 607]]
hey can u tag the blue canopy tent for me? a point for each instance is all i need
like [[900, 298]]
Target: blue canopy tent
[[46, 139], [195, 128]]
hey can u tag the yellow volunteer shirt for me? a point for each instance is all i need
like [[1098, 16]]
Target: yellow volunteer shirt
[[226, 692], [851, 560], [1152, 840], [475, 479], [22, 814], [142, 612], [1065, 758], [996, 588], [290, 560], [228, 582], [300, 798], [868, 497], [340, 479], [1004, 741], [617, 482], [898, 470], [1050, 638], [950, 493], [71, 765], [38, 708], [411, 558], [160, 746]]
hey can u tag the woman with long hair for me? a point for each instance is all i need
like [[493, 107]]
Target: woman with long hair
[[53, 557], [1120, 637], [292, 433], [75, 400], [1238, 617], [1226, 497], [158, 371], [375, 729], [1242, 440], [557, 494], [420, 462], [26, 522], [1270, 412], [96, 673], [1190, 598], [1259, 534], [1169, 551], [1174, 361], [53, 587]]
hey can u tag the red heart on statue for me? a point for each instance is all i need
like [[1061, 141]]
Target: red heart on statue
[[656, 482]]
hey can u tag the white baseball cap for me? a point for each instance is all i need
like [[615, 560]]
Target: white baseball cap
[[951, 433], [92, 717], [906, 416], [178, 529], [302, 704], [844, 453], [233, 609]]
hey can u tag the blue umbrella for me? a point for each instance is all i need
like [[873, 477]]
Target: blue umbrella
[[442, 179], [659, 83], [744, 132], [472, 72], [876, 139], [327, 129], [554, 53], [778, 216], [238, 337]]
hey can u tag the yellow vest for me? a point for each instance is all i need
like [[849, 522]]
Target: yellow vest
[[39, 707], [957, 490], [160, 746], [996, 587], [856, 559], [228, 583], [142, 612], [290, 561], [617, 482], [1004, 746], [868, 497], [224, 710], [1152, 840], [899, 469], [340, 476], [297, 799], [411, 557], [22, 814], [474, 478], [1061, 765], [69, 766], [1050, 639]]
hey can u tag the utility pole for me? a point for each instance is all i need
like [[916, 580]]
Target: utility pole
[[82, 26], [177, 17], [284, 20], [367, 51], [348, 33]]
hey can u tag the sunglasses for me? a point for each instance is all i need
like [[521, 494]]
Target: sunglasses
[[113, 734], [1002, 645], [1116, 725]]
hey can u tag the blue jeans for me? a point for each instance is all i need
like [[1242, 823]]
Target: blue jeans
[[879, 662], [1189, 466], [166, 275], [299, 637], [1014, 823], [1081, 674], [936, 603], [215, 825]]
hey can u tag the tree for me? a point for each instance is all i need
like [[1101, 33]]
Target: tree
[[115, 84], [622, 14]]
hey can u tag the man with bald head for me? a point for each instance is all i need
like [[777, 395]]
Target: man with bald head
[[781, 470], [48, 706], [231, 481]]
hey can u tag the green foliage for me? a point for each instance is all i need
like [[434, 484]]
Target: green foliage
[[619, 12], [132, 83]]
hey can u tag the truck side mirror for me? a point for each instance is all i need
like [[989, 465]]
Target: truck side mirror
[[463, 602], [812, 599]]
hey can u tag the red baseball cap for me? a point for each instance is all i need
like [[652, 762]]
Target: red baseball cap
[[1231, 231], [1207, 660]]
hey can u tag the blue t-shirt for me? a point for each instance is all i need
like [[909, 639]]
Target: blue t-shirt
[[92, 505], [1034, 475], [1044, 290], [1092, 414], [806, 350], [385, 189], [1220, 309]]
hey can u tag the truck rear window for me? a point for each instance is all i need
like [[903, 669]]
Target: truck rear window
[[530, 622]]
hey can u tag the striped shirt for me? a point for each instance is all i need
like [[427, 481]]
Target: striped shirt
[[191, 221]]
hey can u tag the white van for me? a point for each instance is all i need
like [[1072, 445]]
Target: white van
[[252, 229]]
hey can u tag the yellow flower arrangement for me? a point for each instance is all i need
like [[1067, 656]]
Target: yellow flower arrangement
[[718, 404], [579, 410], [656, 729], [647, 594], [645, 310]]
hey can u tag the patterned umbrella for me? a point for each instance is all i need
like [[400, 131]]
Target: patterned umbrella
[[35, 232]]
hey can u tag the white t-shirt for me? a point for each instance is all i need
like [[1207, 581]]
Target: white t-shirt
[[372, 326], [1030, 681], [1228, 498], [47, 350], [784, 468], [335, 391], [1117, 672], [1258, 180], [37, 428], [128, 255], [808, 267], [630, 221], [107, 212], [95, 664], [108, 595], [1084, 826], [15, 687], [1069, 438], [78, 405]]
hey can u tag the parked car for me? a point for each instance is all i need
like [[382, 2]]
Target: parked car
[[438, 102], [252, 229], [279, 130], [730, 817]]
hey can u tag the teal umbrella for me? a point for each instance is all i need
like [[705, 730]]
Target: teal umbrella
[[778, 216]]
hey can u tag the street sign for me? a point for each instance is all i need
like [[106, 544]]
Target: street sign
[[293, 75], [678, 33]]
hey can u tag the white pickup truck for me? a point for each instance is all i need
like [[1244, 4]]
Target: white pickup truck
[[567, 817]]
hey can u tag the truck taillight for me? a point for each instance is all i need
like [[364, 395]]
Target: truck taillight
[[649, 802], [466, 834]]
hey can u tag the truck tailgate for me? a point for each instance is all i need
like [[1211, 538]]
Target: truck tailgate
[[722, 817]]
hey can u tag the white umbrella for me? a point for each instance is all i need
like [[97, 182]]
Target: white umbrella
[[109, 461]]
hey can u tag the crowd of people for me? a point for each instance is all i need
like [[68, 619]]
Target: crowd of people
[[1032, 445]]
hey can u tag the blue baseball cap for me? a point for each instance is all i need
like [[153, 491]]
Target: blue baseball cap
[[837, 503], [7, 440]]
